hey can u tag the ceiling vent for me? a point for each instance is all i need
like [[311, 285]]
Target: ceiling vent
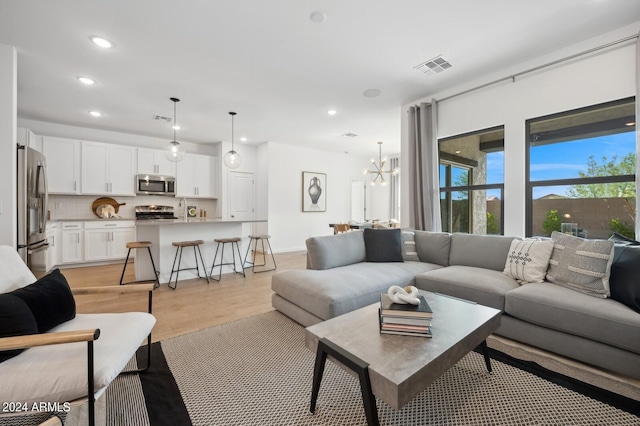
[[162, 117], [349, 135], [434, 66]]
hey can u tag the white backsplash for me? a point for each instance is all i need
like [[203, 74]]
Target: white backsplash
[[65, 207]]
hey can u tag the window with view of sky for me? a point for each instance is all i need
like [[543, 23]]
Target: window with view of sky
[[581, 171]]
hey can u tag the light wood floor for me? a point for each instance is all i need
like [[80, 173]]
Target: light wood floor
[[194, 305]]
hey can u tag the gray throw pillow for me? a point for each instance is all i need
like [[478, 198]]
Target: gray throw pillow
[[409, 252], [581, 265]]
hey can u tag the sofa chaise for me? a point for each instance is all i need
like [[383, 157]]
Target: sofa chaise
[[338, 279]]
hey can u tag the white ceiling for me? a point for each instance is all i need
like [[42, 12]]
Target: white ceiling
[[268, 62]]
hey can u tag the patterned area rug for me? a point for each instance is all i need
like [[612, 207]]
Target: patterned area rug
[[257, 371]]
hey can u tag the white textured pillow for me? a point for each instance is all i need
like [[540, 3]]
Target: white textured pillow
[[409, 252], [527, 260]]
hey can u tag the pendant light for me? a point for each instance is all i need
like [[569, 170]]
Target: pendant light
[[174, 151], [378, 170], [232, 159]]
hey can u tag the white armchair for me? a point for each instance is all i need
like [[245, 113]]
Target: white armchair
[[56, 366]]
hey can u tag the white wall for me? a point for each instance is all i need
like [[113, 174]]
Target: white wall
[[8, 108], [289, 227], [600, 77]]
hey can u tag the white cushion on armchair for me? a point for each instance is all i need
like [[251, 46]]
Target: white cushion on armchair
[[59, 372], [14, 274]]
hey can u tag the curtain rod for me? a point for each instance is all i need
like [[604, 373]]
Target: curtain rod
[[530, 70]]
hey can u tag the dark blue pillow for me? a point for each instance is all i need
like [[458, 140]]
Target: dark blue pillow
[[383, 245], [16, 319], [50, 300]]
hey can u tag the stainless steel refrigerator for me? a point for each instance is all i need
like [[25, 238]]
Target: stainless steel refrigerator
[[32, 203]]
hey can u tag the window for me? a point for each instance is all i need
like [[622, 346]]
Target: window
[[581, 171], [472, 182]]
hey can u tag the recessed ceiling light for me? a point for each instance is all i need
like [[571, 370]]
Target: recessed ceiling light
[[102, 42], [371, 93], [86, 80], [243, 139], [175, 127], [458, 151], [317, 17], [631, 123], [95, 113], [332, 112]]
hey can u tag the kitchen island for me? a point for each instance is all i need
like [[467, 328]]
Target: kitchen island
[[161, 233]]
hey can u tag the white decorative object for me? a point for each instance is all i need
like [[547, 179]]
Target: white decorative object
[[407, 295]]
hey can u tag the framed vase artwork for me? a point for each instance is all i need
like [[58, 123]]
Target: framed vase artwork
[[314, 192]]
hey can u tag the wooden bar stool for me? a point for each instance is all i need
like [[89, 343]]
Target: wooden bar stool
[[137, 245], [223, 241], [181, 245], [254, 239]]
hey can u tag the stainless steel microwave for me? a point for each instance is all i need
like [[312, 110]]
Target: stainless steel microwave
[[155, 185]]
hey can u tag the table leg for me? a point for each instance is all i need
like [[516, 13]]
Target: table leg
[[326, 347], [485, 352]]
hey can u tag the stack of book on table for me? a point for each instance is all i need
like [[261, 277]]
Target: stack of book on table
[[408, 320]]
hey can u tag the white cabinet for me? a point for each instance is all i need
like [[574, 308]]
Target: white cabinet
[[27, 138], [154, 162], [72, 242], [195, 177], [63, 164], [107, 240], [108, 169]]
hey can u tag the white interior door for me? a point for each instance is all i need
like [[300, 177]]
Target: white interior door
[[241, 196]]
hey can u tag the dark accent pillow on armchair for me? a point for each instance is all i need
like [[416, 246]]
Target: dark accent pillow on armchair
[[383, 245], [50, 300], [16, 319]]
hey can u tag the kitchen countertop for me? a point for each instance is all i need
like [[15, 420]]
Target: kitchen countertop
[[193, 220], [94, 219], [162, 221]]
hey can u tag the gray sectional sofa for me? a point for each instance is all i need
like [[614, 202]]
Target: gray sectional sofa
[[338, 279]]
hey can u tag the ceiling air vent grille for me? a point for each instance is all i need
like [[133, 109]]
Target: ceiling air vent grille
[[162, 117], [349, 135], [434, 66]]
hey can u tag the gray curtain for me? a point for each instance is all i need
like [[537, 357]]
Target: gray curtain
[[637, 135], [424, 188], [394, 213]]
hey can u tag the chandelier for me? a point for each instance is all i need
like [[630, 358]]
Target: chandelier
[[378, 169]]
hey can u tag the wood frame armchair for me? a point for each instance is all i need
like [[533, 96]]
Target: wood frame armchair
[[120, 327]]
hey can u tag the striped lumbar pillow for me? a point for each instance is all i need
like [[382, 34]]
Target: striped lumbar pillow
[[582, 265], [409, 252]]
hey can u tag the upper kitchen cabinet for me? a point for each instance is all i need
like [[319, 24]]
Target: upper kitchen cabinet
[[108, 169], [63, 164], [154, 162], [196, 176], [27, 138]]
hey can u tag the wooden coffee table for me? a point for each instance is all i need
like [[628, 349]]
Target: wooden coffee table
[[396, 368]]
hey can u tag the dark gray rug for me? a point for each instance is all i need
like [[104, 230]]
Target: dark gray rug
[[257, 371]]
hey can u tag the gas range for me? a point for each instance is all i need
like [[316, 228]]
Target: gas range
[[154, 212]]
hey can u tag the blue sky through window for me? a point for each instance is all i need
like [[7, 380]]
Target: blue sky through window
[[566, 159]]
